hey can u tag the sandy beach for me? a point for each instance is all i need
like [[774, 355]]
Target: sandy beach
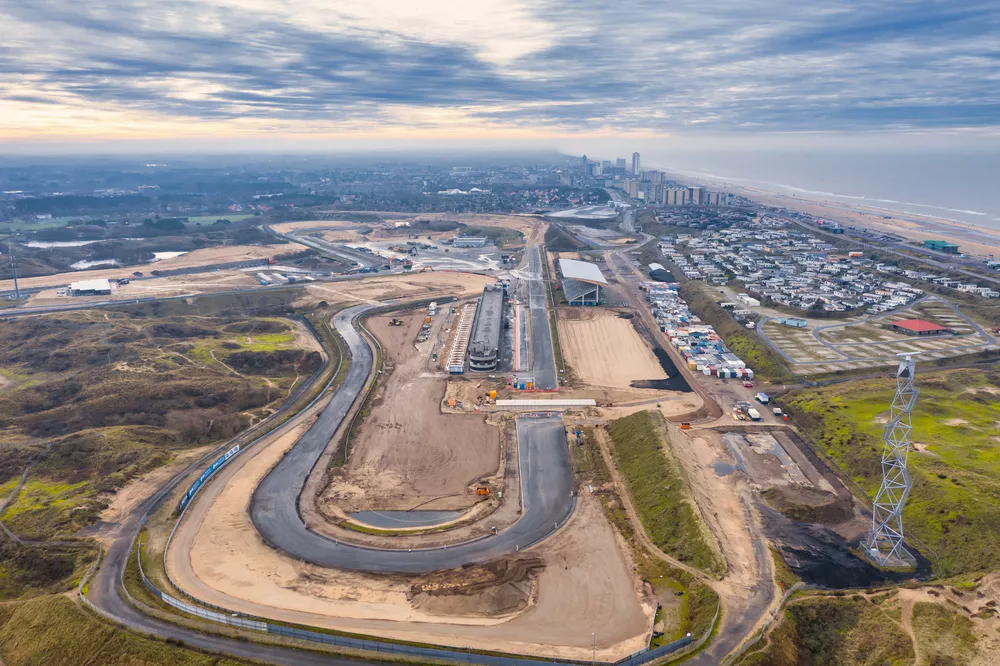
[[972, 239]]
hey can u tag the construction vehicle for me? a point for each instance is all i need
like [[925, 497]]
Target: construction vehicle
[[481, 491], [685, 426], [396, 322]]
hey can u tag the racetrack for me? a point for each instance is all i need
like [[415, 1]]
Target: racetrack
[[543, 363], [547, 483]]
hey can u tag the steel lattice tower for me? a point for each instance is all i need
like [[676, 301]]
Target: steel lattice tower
[[885, 541]]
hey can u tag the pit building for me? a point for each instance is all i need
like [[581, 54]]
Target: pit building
[[484, 347]]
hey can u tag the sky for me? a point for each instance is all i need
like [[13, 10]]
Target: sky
[[287, 74]]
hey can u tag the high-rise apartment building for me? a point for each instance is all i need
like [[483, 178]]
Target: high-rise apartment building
[[620, 163], [635, 163]]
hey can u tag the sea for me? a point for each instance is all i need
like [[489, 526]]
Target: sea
[[963, 186]]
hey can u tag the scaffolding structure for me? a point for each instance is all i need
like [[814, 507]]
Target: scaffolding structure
[[885, 541], [459, 345]]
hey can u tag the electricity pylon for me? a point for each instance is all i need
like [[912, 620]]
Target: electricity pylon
[[13, 268], [885, 541]]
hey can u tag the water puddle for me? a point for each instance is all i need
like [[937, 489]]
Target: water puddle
[[403, 519], [84, 265]]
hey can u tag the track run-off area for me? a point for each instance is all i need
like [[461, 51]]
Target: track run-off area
[[547, 485]]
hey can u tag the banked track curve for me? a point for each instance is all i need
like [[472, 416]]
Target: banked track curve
[[546, 481]]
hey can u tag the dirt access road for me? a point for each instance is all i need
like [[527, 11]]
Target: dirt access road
[[406, 452], [726, 507]]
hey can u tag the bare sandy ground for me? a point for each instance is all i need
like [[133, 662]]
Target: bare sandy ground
[[427, 284], [407, 453], [604, 349], [317, 225], [584, 590], [177, 285], [303, 338], [203, 257], [726, 509], [133, 494]]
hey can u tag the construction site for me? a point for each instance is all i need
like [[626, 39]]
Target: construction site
[[485, 467]]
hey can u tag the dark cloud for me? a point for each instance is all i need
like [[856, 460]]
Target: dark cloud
[[659, 65]]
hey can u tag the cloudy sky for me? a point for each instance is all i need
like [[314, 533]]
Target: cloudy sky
[[524, 70]]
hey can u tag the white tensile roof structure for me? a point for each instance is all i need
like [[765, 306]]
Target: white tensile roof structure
[[581, 282], [581, 270]]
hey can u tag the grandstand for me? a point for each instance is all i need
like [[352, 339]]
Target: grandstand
[[582, 282]]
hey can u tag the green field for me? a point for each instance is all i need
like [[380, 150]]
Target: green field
[[659, 491], [835, 631], [955, 504], [210, 219], [34, 225], [53, 630], [944, 636]]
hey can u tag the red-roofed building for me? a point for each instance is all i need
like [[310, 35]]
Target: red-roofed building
[[918, 327]]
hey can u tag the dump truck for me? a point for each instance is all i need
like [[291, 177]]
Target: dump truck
[[396, 322]]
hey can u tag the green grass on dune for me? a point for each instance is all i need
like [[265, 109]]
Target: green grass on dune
[[53, 630], [944, 636], [95, 399], [836, 632], [954, 507], [659, 491]]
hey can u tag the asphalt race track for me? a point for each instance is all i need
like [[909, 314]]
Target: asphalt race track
[[546, 480], [543, 363]]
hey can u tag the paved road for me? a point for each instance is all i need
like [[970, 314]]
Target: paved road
[[546, 479], [105, 593], [543, 361]]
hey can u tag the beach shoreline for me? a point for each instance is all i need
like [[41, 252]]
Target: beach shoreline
[[974, 240]]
